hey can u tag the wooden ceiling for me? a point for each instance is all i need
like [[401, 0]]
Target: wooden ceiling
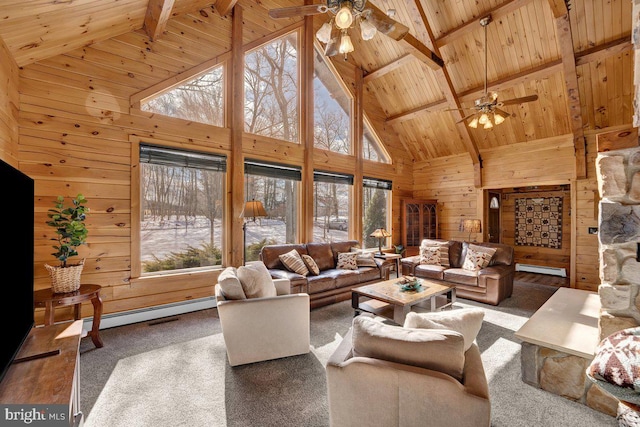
[[576, 56]]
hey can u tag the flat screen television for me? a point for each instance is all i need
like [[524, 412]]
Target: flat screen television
[[16, 315]]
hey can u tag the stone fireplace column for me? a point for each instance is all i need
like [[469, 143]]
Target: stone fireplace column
[[618, 173]]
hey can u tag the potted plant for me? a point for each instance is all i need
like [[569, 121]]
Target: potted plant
[[71, 232]]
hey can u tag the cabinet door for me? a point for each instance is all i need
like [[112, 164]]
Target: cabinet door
[[419, 221]]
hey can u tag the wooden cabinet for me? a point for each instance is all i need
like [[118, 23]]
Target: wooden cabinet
[[419, 221], [50, 380]]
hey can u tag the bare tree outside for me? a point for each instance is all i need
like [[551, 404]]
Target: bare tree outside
[[200, 100]]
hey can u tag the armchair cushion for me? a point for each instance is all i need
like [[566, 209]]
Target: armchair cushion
[[437, 349], [230, 285], [467, 321], [256, 280]]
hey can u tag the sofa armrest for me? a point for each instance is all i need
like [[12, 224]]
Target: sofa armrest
[[343, 352], [409, 264], [497, 271]]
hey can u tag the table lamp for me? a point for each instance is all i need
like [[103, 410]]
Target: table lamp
[[380, 233]]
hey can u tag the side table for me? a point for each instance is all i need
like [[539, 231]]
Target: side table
[[49, 300], [391, 257]]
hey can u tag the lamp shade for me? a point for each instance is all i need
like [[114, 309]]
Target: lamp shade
[[471, 225], [253, 209], [380, 233]]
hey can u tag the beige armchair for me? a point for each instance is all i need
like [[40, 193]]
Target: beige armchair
[[263, 328], [371, 391]]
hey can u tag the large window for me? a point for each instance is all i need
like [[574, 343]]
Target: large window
[[376, 198], [200, 99], [181, 208], [271, 89], [332, 198], [372, 148], [332, 109], [276, 187]]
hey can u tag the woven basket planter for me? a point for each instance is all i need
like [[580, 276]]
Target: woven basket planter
[[65, 279]]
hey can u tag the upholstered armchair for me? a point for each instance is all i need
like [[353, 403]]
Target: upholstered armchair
[[260, 319], [388, 375]]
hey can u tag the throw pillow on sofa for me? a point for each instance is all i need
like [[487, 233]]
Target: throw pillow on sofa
[[364, 259], [311, 264], [477, 257], [347, 261], [437, 349], [430, 255], [467, 321], [256, 280], [442, 246], [294, 263]]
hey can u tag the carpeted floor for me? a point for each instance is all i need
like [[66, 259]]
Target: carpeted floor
[[175, 373]]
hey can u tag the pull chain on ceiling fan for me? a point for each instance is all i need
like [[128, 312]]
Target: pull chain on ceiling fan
[[486, 108]]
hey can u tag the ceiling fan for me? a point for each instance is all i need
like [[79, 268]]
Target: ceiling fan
[[487, 111], [343, 14]]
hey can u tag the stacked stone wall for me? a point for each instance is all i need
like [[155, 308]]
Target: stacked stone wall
[[619, 237]]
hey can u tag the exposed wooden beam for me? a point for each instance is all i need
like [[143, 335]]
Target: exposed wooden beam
[[559, 8], [307, 119], [223, 7], [388, 68], [422, 52], [446, 85], [414, 112], [600, 52], [565, 42], [617, 140], [496, 13], [156, 17]]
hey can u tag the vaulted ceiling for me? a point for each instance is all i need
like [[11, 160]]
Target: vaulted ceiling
[[575, 55]]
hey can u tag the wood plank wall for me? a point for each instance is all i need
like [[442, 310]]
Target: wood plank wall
[[76, 133], [543, 162], [9, 100]]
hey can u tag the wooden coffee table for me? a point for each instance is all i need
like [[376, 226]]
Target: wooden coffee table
[[387, 299]]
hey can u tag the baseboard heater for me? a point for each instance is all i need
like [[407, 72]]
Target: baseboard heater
[[150, 313], [554, 271]]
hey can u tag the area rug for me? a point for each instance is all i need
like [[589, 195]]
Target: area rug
[[539, 222], [176, 374]]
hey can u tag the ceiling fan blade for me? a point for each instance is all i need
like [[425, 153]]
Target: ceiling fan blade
[[331, 49], [502, 112], [465, 118], [293, 11], [384, 24], [522, 100]]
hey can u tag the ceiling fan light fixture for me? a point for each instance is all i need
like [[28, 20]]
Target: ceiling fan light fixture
[[473, 123], [367, 29], [498, 118], [324, 33], [484, 118], [488, 125], [345, 44], [344, 16]]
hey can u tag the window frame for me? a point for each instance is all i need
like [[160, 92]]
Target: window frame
[[384, 184], [136, 216]]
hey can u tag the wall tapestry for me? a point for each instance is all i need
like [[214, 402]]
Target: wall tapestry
[[539, 222]]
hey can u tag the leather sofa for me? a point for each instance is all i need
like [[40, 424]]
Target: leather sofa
[[490, 285], [331, 285]]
